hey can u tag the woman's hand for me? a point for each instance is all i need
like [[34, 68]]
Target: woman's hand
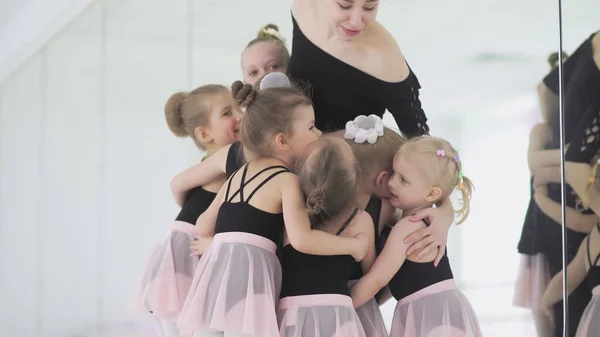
[[433, 237], [549, 312]]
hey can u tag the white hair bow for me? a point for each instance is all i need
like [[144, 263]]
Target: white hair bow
[[364, 129], [275, 80]]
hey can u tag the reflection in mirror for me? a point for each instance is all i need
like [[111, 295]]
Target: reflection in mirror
[[89, 192], [581, 88]]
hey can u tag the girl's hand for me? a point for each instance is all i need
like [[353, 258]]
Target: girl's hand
[[199, 246], [435, 236], [546, 175], [549, 312]]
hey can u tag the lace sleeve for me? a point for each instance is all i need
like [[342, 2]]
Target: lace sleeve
[[422, 128], [586, 142], [408, 113]]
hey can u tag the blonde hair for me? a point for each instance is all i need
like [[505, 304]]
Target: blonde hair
[[185, 111], [328, 184], [553, 59], [265, 35], [380, 155], [593, 180], [445, 169]]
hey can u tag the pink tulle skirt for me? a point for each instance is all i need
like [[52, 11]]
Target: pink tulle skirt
[[235, 288], [532, 280], [371, 318], [439, 310], [589, 325], [328, 315], [168, 274]]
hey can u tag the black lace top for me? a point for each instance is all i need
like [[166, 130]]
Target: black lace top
[[341, 92]]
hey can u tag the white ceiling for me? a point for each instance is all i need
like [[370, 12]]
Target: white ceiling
[[26, 25]]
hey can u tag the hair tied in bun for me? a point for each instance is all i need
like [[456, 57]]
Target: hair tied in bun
[[243, 93], [272, 31]]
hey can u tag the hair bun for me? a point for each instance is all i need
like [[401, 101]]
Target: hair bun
[[242, 93], [236, 87], [173, 114], [265, 31], [315, 202], [554, 58]]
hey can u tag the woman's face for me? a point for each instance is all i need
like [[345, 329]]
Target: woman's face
[[260, 59], [349, 18]]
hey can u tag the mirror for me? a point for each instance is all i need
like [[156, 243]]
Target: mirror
[[86, 157], [581, 103]]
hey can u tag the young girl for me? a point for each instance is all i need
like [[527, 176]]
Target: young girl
[[237, 281], [211, 117], [375, 159], [223, 163], [315, 299], [585, 265], [426, 170], [265, 54]]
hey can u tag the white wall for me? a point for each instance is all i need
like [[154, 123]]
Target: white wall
[[86, 157], [86, 161]]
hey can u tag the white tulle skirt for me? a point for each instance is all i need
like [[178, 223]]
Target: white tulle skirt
[[589, 325], [532, 279], [440, 310], [235, 288], [326, 315]]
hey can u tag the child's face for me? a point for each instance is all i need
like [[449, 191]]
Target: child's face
[[260, 59], [225, 119], [409, 184], [303, 131]]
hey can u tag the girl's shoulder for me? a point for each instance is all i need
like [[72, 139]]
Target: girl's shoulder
[[403, 228], [362, 223]]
